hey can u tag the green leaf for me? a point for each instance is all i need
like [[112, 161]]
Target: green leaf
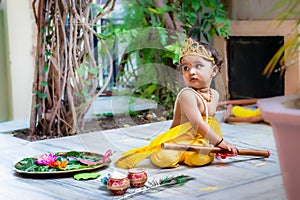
[[155, 23], [163, 36], [108, 114], [196, 4], [171, 47], [104, 35], [87, 82], [86, 176], [206, 3], [48, 53], [42, 95], [74, 166], [45, 69], [85, 92], [79, 95], [93, 71], [220, 20], [44, 83], [161, 10], [192, 18], [48, 38], [81, 71], [205, 24], [51, 28], [151, 88], [73, 153]]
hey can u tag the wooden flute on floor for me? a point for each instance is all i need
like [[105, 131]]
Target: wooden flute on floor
[[217, 150]]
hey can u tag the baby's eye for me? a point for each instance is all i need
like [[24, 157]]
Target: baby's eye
[[185, 68], [198, 66]]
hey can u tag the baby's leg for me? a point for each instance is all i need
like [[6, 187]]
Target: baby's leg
[[197, 159], [166, 158]]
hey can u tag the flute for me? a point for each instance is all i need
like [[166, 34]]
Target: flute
[[219, 151]]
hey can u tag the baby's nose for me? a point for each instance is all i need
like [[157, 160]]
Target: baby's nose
[[192, 70]]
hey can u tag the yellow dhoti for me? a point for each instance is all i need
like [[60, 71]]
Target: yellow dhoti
[[182, 134]]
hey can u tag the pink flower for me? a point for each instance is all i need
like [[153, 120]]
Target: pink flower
[[46, 159]]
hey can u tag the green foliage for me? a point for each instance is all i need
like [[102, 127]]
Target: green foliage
[[29, 164], [40, 94], [200, 19], [288, 9], [173, 51]]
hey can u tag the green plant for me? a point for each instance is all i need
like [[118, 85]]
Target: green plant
[[287, 9], [151, 68], [202, 19]]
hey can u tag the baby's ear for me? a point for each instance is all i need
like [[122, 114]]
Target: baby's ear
[[215, 71]]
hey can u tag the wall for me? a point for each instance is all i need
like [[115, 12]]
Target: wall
[[265, 28], [252, 10], [4, 92], [19, 65], [253, 18]]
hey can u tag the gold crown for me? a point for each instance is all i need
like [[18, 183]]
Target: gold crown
[[192, 48]]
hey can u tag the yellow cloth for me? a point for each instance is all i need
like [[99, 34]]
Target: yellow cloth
[[183, 134], [239, 111]]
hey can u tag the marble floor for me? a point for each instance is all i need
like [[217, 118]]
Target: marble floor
[[235, 178]]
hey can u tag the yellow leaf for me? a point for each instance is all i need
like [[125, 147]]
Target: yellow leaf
[[153, 10], [260, 164], [209, 188]]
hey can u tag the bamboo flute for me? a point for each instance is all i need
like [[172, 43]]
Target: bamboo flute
[[217, 150]]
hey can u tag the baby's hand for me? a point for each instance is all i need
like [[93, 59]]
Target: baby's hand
[[230, 147]]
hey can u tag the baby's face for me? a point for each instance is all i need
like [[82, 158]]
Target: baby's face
[[197, 71]]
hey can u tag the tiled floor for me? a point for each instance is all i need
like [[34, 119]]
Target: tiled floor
[[232, 178]]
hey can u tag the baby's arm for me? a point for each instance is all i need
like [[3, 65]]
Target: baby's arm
[[189, 108]]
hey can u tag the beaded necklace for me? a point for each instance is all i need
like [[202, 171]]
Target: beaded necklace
[[207, 99]]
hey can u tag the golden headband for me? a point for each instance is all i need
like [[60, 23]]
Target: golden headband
[[192, 48]]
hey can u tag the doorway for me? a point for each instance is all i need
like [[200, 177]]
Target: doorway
[[247, 58]]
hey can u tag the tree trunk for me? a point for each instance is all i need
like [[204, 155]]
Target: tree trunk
[[65, 78]]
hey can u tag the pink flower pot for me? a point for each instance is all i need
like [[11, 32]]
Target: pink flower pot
[[118, 185], [137, 177], [285, 122]]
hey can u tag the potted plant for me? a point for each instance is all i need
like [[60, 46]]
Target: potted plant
[[283, 113]]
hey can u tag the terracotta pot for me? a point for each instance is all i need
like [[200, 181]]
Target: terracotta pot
[[285, 122], [118, 185], [137, 177]]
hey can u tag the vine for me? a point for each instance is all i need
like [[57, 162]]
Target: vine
[[65, 77]]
